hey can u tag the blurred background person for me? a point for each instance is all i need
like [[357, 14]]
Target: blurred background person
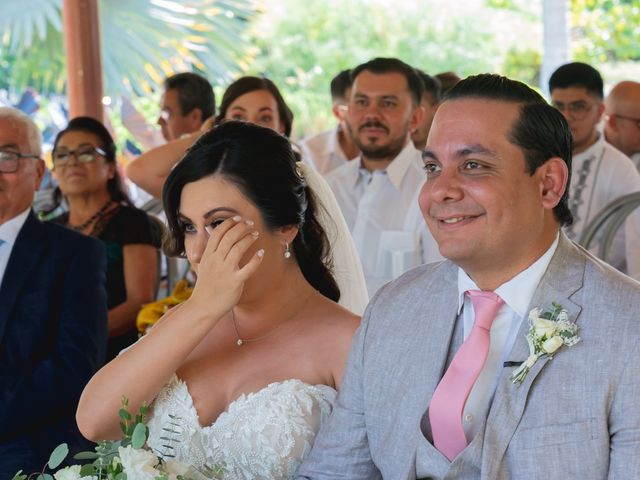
[[447, 81], [187, 102], [335, 147], [252, 99], [622, 119], [84, 160], [430, 101], [378, 192], [600, 173]]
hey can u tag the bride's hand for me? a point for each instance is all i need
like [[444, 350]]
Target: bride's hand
[[221, 278]]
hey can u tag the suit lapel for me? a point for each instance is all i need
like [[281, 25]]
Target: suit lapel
[[24, 258], [563, 278]]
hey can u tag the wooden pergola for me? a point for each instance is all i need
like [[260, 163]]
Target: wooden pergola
[[82, 49]]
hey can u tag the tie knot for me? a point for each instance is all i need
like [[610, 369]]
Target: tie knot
[[485, 306]]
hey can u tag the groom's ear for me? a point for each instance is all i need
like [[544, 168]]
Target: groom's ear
[[287, 233], [554, 176]]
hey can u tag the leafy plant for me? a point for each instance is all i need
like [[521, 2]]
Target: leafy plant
[[142, 41], [107, 458]]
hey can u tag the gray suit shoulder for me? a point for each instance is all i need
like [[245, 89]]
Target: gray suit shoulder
[[415, 281]]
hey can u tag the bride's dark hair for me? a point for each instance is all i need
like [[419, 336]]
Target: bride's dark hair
[[260, 162]]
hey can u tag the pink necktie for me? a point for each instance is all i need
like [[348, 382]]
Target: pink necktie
[[450, 396]]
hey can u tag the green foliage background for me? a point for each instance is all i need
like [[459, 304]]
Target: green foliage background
[[302, 45]]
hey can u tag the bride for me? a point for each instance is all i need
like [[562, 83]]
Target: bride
[[247, 368]]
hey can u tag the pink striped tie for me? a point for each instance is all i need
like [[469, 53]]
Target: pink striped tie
[[450, 396]]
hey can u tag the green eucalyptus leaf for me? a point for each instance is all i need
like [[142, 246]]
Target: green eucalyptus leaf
[[86, 456], [139, 436], [58, 455], [19, 476], [87, 470], [44, 476], [124, 414]]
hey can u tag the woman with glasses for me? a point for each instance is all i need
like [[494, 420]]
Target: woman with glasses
[[84, 163]]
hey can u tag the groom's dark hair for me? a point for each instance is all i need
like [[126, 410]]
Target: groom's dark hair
[[541, 132]]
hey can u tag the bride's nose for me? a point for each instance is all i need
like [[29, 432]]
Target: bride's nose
[[196, 246]]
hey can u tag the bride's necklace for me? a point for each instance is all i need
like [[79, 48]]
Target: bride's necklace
[[92, 218], [241, 341]]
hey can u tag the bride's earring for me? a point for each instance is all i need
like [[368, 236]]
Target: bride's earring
[[287, 251]]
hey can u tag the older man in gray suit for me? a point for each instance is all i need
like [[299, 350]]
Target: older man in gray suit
[[429, 389]]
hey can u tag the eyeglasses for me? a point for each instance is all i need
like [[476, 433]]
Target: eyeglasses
[[635, 120], [83, 154], [577, 110], [9, 160]]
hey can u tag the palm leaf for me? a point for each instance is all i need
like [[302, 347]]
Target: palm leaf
[[142, 41]]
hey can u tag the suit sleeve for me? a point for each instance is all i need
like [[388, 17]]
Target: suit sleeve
[[624, 423], [49, 386], [341, 448]]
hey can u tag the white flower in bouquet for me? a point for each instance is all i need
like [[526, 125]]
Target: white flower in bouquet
[[139, 464], [174, 467], [68, 473]]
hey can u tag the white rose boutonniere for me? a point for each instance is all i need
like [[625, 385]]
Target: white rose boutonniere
[[549, 330]]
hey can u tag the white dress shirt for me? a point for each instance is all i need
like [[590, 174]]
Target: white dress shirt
[[323, 151], [380, 208], [517, 294], [8, 233], [600, 175]]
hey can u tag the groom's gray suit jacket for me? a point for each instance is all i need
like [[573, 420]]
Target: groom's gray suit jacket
[[574, 416]]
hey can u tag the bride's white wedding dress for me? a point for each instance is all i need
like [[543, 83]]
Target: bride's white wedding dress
[[262, 435]]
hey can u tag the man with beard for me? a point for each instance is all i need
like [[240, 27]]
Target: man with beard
[[378, 191]]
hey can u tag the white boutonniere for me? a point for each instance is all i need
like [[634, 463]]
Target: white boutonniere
[[549, 330]]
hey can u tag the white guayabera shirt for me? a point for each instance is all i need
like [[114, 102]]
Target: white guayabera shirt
[[382, 213]]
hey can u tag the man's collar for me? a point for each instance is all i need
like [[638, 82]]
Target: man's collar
[[597, 145], [517, 292], [399, 166], [9, 230]]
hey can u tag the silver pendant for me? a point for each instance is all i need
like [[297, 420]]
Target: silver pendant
[[240, 342]]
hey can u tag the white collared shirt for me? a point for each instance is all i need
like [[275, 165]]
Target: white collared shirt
[[323, 151], [9, 231], [381, 210], [600, 175], [517, 294]]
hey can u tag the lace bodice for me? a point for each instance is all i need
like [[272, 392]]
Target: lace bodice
[[262, 435]]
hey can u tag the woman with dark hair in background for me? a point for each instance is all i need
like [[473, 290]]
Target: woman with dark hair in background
[[251, 99], [248, 366], [84, 162]]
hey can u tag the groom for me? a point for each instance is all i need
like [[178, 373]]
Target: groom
[[428, 390]]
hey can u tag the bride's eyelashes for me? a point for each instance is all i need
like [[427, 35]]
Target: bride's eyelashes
[[189, 228]]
